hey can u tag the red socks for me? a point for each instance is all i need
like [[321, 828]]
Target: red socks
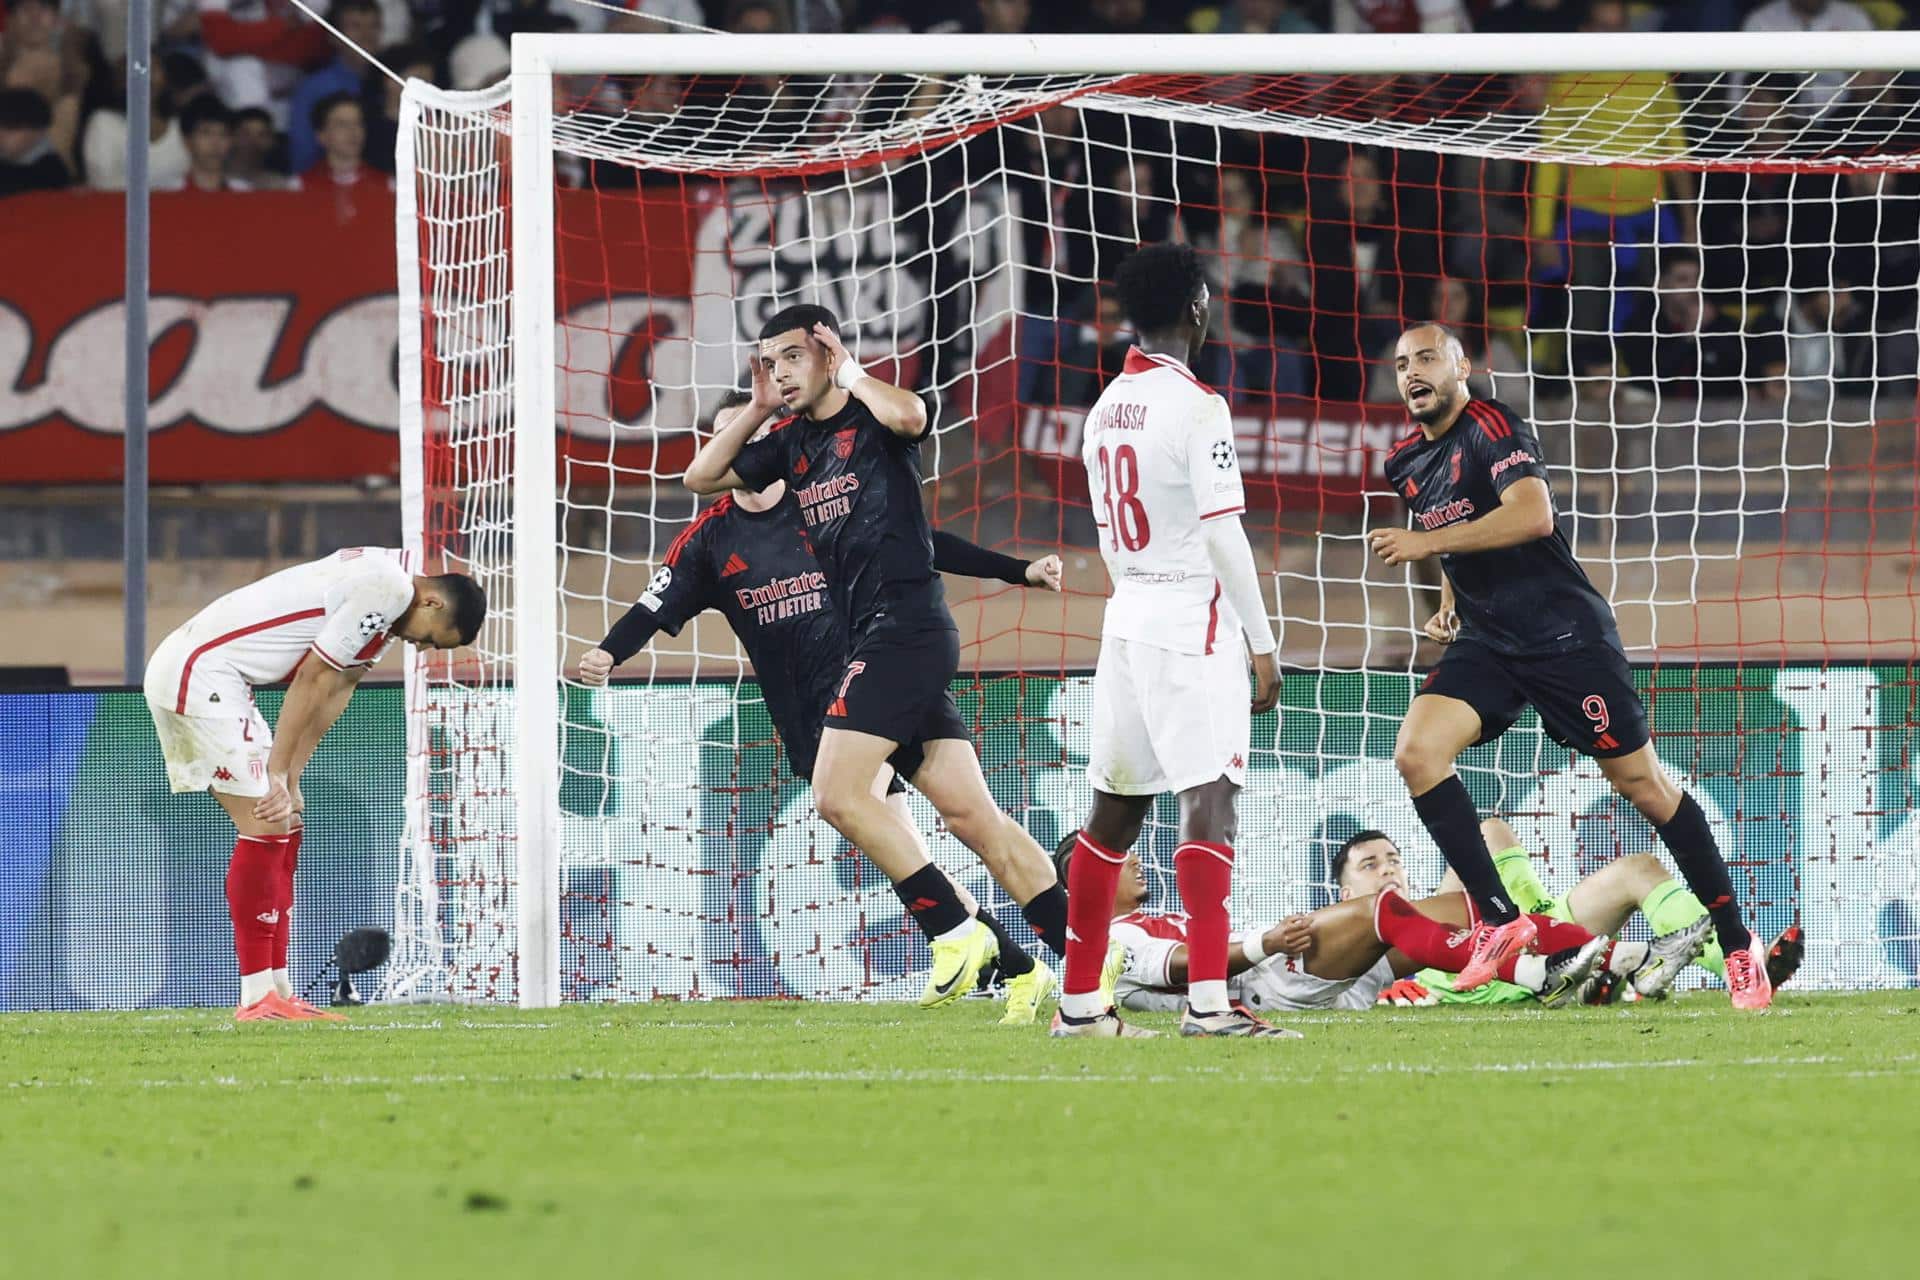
[[1204, 873], [283, 932], [1558, 935], [254, 879], [1093, 875], [1445, 947]]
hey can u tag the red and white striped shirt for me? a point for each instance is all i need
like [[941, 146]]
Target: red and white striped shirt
[[341, 609]]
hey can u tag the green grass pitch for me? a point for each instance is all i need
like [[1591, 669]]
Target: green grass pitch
[[784, 1139]]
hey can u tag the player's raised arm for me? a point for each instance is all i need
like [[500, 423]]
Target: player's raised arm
[[956, 555], [895, 408], [712, 469]]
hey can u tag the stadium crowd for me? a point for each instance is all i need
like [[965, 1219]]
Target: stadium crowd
[[250, 95]]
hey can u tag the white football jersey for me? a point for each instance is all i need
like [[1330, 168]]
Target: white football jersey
[[340, 609], [1160, 461]]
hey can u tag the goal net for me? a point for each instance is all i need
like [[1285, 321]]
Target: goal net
[[1699, 285]]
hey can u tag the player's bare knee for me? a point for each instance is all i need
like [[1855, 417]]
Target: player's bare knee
[[1647, 787], [1115, 821], [972, 825], [837, 805], [1643, 869], [1419, 766], [1498, 835], [1207, 813]]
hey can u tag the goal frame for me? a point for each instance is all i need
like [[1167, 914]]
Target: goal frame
[[536, 59]]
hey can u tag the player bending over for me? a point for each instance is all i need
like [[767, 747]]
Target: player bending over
[[1602, 902], [1339, 957], [748, 557], [1170, 707], [319, 626], [848, 447], [1522, 624]]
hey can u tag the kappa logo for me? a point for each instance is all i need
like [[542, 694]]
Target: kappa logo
[[733, 566], [843, 443], [222, 774], [1237, 762]]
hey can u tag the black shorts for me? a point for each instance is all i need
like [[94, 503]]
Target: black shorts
[[1585, 696], [898, 686], [803, 748]]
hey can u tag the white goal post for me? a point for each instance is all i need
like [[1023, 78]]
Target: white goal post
[[489, 733]]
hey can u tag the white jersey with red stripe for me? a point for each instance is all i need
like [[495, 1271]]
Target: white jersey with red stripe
[[1275, 984], [341, 610], [1160, 462]]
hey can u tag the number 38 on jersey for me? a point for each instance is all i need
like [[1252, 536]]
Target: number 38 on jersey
[[1160, 462]]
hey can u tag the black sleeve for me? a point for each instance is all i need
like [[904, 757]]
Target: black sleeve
[[681, 589], [957, 555], [1513, 455], [765, 460]]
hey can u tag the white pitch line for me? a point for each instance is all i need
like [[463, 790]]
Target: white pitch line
[[1066, 1076]]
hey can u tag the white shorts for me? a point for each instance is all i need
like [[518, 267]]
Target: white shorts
[[1268, 987], [1272, 986], [1166, 721], [221, 753]]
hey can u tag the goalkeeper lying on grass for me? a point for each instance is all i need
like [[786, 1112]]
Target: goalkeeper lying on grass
[[1601, 902]]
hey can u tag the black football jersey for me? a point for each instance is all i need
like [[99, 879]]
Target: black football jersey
[[757, 569], [1526, 599], [858, 488]]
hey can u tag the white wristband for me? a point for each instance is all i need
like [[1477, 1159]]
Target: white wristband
[[1252, 946], [848, 373]]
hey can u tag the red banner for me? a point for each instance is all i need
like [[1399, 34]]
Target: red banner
[[274, 330], [1300, 455], [273, 338]]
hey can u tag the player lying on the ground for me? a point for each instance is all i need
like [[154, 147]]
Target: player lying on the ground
[[319, 625], [1522, 625], [1602, 902], [1171, 710], [848, 448], [1340, 957], [747, 556]]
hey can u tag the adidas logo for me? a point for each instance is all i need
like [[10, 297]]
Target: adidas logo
[[733, 565]]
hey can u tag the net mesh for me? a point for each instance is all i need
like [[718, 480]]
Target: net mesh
[[1699, 287]]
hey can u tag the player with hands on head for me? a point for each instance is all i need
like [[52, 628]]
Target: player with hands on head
[[1530, 629], [1187, 616], [318, 626], [747, 556], [847, 444]]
